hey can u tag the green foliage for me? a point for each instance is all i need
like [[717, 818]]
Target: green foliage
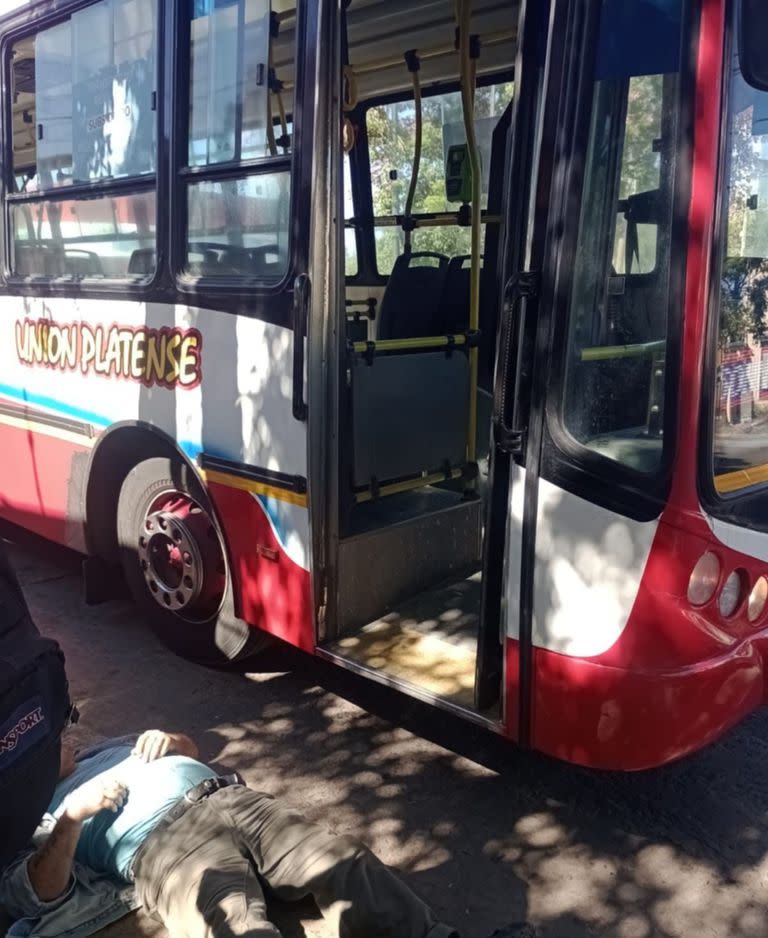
[[639, 162], [391, 140], [743, 299]]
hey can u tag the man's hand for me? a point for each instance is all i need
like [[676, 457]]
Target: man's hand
[[154, 744], [50, 866], [100, 794]]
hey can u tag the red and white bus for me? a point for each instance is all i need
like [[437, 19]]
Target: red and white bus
[[426, 337]]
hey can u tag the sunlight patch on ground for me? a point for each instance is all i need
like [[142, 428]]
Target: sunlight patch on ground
[[262, 678], [392, 646]]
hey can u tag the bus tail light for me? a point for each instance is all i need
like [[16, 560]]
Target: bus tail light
[[703, 581], [732, 593], [757, 599]]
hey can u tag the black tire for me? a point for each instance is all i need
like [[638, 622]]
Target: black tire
[[198, 622]]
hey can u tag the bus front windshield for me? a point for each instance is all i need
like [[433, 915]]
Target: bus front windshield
[[740, 457]]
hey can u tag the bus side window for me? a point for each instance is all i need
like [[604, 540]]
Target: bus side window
[[83, 104], [241, 73]]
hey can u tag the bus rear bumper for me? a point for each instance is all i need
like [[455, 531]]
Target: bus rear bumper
[[604, 717]]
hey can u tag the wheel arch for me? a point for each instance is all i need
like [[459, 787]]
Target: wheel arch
[[120, 448]]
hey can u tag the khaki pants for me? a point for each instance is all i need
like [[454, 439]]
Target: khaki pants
[[201, 875]]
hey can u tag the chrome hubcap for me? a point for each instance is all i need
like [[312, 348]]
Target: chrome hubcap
[[180, 556]]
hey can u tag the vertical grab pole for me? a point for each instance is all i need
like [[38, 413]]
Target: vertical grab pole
[[467, 56], [412, 61]]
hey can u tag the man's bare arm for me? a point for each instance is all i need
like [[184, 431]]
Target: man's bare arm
[[184, 745], [50, 866]]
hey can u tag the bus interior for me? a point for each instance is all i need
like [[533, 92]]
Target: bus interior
[[415, 410], [415, 358]]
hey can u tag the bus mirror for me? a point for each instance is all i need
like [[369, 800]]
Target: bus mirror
[[753, 51]]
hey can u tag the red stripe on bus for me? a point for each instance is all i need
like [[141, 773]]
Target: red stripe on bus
[[37, 481], [271, 590]]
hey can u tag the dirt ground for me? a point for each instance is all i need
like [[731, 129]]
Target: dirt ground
[[491, 836]]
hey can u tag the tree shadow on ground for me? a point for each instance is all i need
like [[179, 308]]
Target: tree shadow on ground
[[488, 834]]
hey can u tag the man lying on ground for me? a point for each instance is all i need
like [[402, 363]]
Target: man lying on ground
[[142, 821]]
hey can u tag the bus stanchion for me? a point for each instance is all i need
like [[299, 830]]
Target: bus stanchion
[[412, 61], [469, 50]]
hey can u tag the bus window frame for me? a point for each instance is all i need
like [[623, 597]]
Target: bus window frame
[[566, 463], [237, 294], [438, 88], [736, 507], [267, 301], [31, 22]]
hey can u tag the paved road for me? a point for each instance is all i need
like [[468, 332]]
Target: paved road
[[491, 836]]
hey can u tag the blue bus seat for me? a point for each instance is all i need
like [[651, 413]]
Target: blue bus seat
[[455, 312], [411, 303], [81, 263]]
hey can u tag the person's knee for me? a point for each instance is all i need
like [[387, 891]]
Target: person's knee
[[340, 860]]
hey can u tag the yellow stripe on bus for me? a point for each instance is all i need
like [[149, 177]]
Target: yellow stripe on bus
[[741, 478], [30, 425], [256, 488]]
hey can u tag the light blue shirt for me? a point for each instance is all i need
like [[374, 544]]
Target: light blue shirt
[[90, 902], [109, 841]]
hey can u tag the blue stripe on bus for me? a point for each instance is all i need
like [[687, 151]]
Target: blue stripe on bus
[[269, 506], [192, 450], [21, 394]]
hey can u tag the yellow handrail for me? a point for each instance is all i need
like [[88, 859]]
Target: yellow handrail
[[418, 220], [600, 353], [407, 484], [400, 345]]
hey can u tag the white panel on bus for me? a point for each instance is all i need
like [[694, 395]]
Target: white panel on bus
[[8, 6]]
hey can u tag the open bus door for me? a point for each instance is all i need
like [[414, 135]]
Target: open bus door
[[516, 421], [592, 270]]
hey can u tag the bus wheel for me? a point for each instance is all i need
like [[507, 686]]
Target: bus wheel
[[175, 564]]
